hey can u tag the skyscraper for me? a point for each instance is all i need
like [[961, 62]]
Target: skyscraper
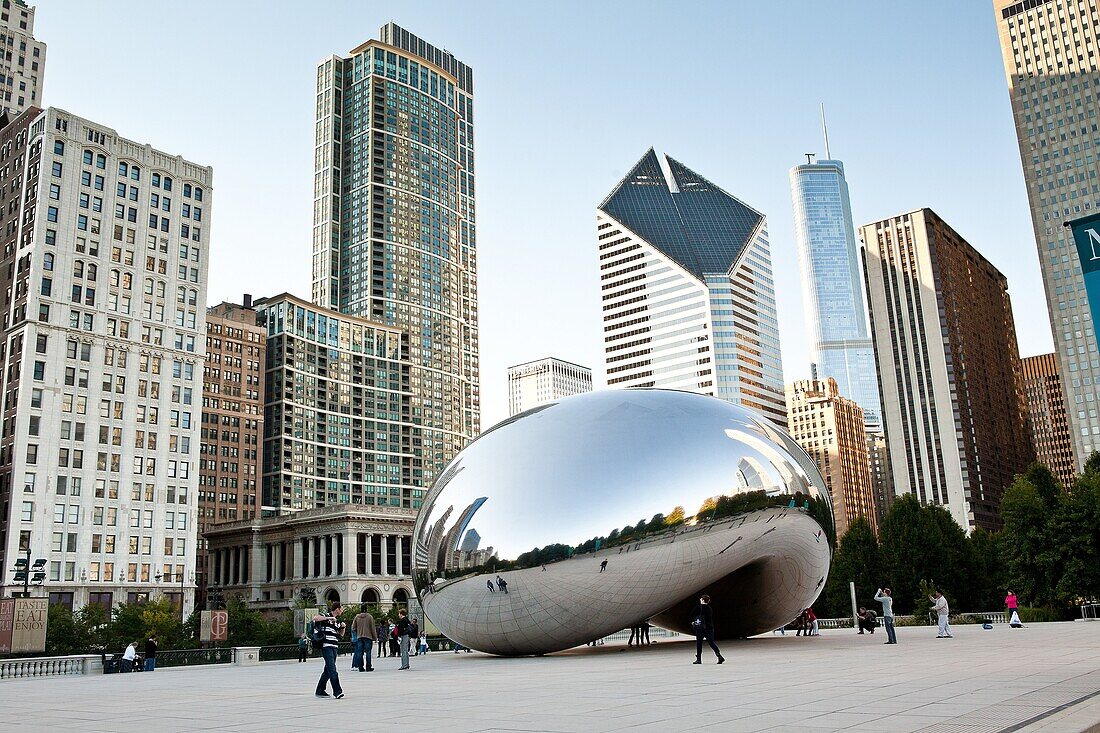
[[1049, 51], [948, 365], [688, 299], [1047, 412], [830, 428], [105, 255], [545, 380], [23, 62], [232, 422], [336, 409], [828, 261], [394, 235]]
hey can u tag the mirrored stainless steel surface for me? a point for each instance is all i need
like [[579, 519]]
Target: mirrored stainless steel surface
[[576, 519]]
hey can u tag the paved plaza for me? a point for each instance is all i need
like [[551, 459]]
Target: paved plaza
[[1042, 678]]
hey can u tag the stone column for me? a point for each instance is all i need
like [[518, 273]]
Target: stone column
[[400, 550], [258, 571], [385, 569], [370, 562], [299, 552], [351, 553]]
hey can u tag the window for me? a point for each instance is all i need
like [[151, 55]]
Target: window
[[56, 169], [27, 512]]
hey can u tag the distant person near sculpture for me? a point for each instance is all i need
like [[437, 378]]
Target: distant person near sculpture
[[882, 595], [702, 623], [327, 632], [365, 634], [939, 605]]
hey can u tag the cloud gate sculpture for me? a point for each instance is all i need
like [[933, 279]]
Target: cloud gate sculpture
[[579, 518]]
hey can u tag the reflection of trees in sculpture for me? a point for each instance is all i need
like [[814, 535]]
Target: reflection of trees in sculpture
[[713, 509]]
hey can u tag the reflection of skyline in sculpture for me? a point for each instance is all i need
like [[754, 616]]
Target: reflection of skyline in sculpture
[[471, 541], [726, 506]]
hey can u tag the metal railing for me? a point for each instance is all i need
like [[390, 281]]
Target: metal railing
[[49, 666], [279, 652], [190, 657]]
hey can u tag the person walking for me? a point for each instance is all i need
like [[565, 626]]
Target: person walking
[[644, 639], [882, 595], [603, 566], [329, 629], [489, 584], [414, 637], [423, 643], [393, 640], [501, 584], [380, 630], [939, 604], [403, 637], [128, 657], [364, 629], [702, 623], [303, 648], [151, 653]]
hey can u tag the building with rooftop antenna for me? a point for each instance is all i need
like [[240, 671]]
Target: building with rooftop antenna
[[832, 287], [686, 284]]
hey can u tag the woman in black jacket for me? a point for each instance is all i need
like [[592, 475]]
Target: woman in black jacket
[[702, 623]]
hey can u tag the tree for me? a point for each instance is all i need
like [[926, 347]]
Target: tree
[[676, 517], [922, 543], [856, 559], [988, 576], [1074, 524], [1029, 549]]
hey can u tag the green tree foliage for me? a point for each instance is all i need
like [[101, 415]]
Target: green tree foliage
[[988, 579], [923, 543], [1031, 554], [856, 559]]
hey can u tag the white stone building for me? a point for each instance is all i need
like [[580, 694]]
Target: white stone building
[[106, 244], [535, 383]]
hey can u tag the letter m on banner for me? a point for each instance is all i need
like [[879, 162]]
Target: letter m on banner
[[1086, 235]]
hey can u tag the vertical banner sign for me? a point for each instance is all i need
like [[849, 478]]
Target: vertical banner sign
[[29, 625], [214, 626], [219, 625], [7, 624], [1086, 234]]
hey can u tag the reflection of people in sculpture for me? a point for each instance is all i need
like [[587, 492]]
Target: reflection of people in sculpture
[[503, 586], [489, 585], [603, 566], [702, 623]]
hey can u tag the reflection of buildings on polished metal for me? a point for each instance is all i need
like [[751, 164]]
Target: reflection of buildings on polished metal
[[686, 286], [349, 552], [535, 383], [716, 498]]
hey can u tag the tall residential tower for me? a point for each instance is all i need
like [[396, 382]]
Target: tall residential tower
[[687, 292], [1049, 50], [394, 229], [948, 365]]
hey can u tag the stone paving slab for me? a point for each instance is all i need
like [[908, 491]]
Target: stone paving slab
[[1043, 678]]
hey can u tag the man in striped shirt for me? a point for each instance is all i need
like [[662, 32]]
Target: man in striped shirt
[[329, 629]]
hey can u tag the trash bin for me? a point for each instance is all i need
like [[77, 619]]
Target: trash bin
[[110, 664]]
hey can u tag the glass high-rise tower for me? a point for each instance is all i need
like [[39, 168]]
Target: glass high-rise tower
[[687, 290], [828, 259], [394, 228]]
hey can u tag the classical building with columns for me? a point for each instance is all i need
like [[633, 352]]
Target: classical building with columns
[[349, 552]]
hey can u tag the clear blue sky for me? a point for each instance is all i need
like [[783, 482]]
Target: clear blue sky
[[569, 95]]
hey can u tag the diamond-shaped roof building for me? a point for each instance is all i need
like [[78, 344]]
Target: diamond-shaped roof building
[[688, 218]]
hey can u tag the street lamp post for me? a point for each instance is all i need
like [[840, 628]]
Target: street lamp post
[[23, 570]]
